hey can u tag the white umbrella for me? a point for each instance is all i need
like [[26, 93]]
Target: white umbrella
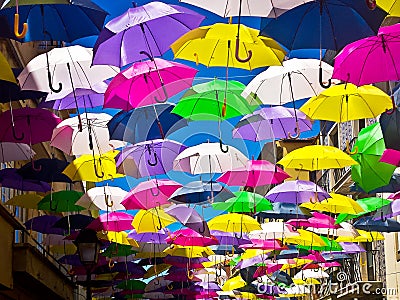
[[157, 283], [15, 152], [93, 139], [64, 69], [311, 273], [103, 198], [296, 79], [346, 230], [273, 230], [209, 158]]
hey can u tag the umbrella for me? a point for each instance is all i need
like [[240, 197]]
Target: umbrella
[[255, 173], [151, 27], [273, 230], [145, 123], [77, 98], [336, 204], [213, 46], [296, 192], [281, 277], [94, 168], [45, 169], [113, 221], [389, 210], [209, 158], [244, 202], [9, 178], [62, 201], [73, 222], [380, 225], [68, 67], [296, 79], [117, 250], [318, 220], [363, 237], [27, 125], [8, 83], [306, 238], [189, 217], [15, 151], [370, 173], [148, 158], [25, 200], [285, 211], [371, 59], [318, 274], [150, 194], [132, 268], [369, 204], [103, 198], [157, 237], [271, 123], [148, 82], [390, 129], [234, 222], [189, 237], [44, 224], [317, 157], [47, 20], [199, 192], [83, 135], [151, 220]]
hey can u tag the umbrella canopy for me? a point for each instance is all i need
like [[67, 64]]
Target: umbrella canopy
[[73, 222], [62, 201], [148, 158], [209, 158], [273, 230], [255, 173], [113, 221], [234, 222], [390, 124], [27, 125], [152, 27], [103, 198], [244, 202], [370, 173], [369, 204], [272, 123], [145, 123], [15, 151], [317, 157], [77, 98], [150, 194], [148, 82], [354, 62], [285, 211], [334, 23], [25, 200], [48, 20], [336, 204], [380, 225], [151, 220], [8, 83], [189, 237], [9, 178], [213, 46], [44, 224], [390, 210], [346, 102], [45, 169]]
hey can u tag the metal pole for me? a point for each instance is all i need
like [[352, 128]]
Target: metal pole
[[88, 291]]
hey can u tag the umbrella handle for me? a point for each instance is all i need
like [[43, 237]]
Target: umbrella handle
[[190, 274], [16, 27], [249, 53], [391, 111], [155, 194], [159, 226], [321, 83], [348, 150], [18, 138], [241, 234], [156, 281], [314, 199], [170, 287], [371, 4], [155, 160], [383, 218], [37, 169], [51, 207], [203, 229], [51, 84], [297, 132], [111, 264], [96, 171], [221, 146], [108, 203], [165, 94]]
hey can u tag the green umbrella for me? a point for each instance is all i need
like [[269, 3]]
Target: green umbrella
[[214, 100], [368, 204], [132, 284], [244, 202], [115, 250], [330, 245], [367, 150], [62, 201]]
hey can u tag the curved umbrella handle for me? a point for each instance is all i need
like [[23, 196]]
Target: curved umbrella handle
[[51, 84], [151, 163], [159, 226], [111, 264], [348, 150], [155, 194], [391, 111], [108, 203], [297, 132], [156, 281], [51, 207], [383, 218], [190, 274], [18, 138], [249, 53], [203, 229], [96, 171], [371, 4], [241, 233], [170, 286], [314, 199], [37, 169], [221, 146], [16, 27], [321, 83], [165, 94]]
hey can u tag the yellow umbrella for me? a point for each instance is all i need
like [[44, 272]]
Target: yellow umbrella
[[392, 7], [6, 74], [151, 220], [234, 222], [214, 46], [346, 102], [305, 238], [63, 249], [25, 200], [94, 168], [192, 251], [364, 237], [337, 204], [317, 157], [298, 262], [155, 270], [310, 281], [118, 237], [234, 283], [246, 295]]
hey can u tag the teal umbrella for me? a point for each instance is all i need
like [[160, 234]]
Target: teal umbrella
[[367, 151]]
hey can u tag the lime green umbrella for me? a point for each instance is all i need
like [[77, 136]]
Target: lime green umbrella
[[215, 100], [62, 201], [244, 202], [369, 204], [132, 284], [367, 150], [116, 250], [330, 245]]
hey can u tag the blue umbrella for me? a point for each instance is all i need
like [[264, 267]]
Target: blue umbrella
[[285, 211], [47, 21], [145, 123], [281, 277], [292, 252], [380, 225]]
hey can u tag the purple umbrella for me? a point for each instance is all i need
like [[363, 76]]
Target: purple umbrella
[[210, 286], [152, 27], [271, 123], [90, 100], [123, 267], [350, 248], [149, 237], [11, 179], [189, 217], [230, 238], [44, 224], [148, 158], [186, 262], [297, 191], [73, 260]]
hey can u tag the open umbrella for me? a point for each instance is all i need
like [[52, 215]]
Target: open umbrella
[[44, 224], [45, 169], [390, 124], [113, 221], [148, 28], [189, 237], [10, 151], [244, 202], [151, 220], [62, 201], [8, 83], [103, 198], [285, 211], [9, 178], [369, 204], [234, 222], [336, 204], [380, 225], [25, 200], [73, 222]]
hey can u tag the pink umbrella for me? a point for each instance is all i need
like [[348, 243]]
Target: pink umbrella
[[255, 173], [317, 221], [189, 237], [148, 82], [114, 221], [370, 60], [264, 245], [150, 194]]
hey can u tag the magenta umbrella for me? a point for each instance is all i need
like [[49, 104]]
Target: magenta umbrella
[[150, 194], [256, 173], [113, 221], [188, 237], [318, 220], [148, 82], [27, 125], [370, 60]]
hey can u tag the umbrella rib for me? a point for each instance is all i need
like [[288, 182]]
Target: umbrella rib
[[153, 38], [62, 21]]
